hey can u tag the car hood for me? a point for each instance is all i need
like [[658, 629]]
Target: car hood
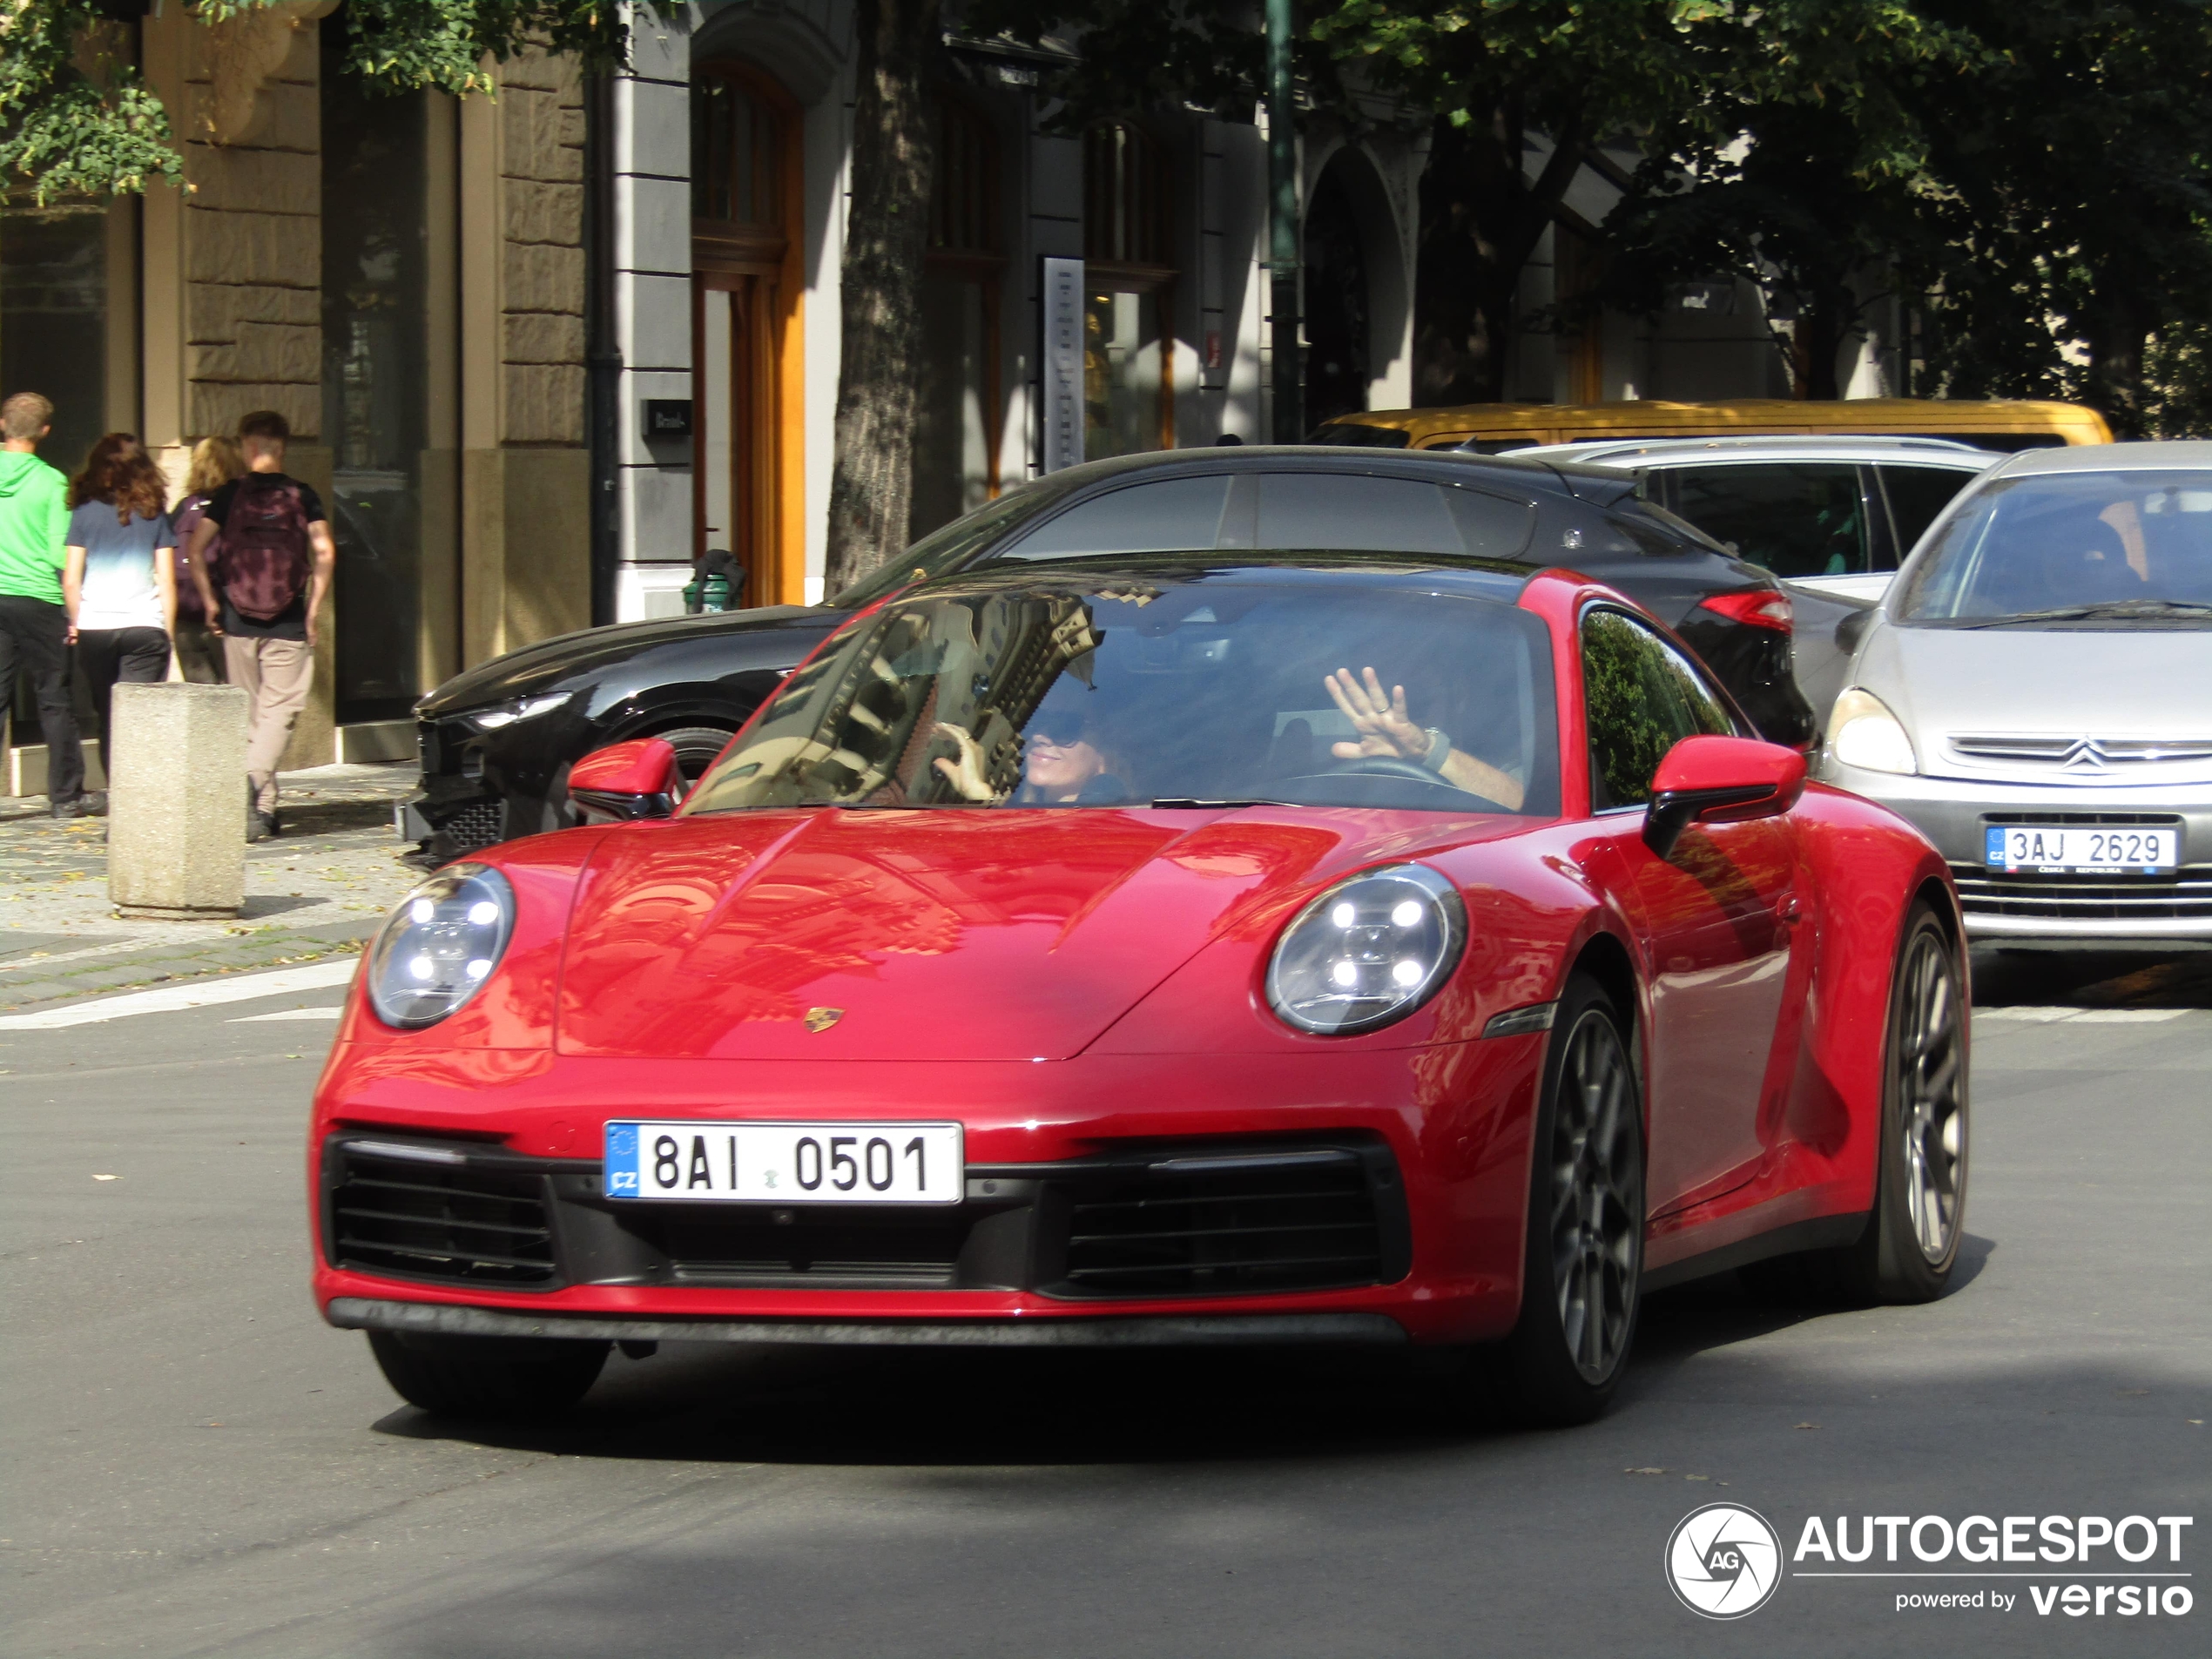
[[932, 935], [2116, 683], [538, 667]]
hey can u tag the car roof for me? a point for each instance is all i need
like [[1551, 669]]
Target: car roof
[[1501, 580], [2109, 457], [1549, 476], [1674, 452]]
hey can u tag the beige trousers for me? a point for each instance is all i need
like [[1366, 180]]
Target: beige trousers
[[277, 675]]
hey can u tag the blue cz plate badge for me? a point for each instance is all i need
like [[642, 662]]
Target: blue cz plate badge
[[724, 1163]]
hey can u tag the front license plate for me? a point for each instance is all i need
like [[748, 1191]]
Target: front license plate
[[2065, 848], [786, 1162]]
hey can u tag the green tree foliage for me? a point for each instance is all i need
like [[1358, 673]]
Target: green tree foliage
[[2068, 210], [76, 119]]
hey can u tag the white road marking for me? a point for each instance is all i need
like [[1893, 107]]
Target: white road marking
[[2085, 1016], [287, 1013], [197, 994]]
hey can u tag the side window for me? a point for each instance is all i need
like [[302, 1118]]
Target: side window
[[1173, 516], [1915, 495], [1492, 527], [1797, 519], [1347, 513], [1641, 696]]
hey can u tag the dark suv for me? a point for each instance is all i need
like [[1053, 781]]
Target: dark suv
[[498, 740]]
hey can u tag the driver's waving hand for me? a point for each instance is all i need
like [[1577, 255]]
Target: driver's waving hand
[[1384, 728]]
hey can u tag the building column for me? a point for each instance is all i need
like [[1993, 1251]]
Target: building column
[[525, 470]]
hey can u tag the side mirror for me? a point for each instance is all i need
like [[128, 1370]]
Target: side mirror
[[1719, 780], [635, 780]]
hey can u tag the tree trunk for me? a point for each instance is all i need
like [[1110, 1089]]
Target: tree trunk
[[886, 231], [1481, 218]]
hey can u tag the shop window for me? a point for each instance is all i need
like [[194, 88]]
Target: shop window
[[53, 317], [956, 433], [1128, 358], [375, 382]]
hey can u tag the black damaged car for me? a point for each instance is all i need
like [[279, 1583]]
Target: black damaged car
[[498, 740]]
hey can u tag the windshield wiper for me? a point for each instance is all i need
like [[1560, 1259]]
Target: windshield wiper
[[2111, 610], [1187, 804]]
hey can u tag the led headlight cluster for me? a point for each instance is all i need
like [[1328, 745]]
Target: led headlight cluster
[[1369, 950], [440, 945]]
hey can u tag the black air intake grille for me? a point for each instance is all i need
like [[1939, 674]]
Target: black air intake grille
[[901, 1249], [462, 1224], [1298, 1222], [2186, 896], [474, 827]]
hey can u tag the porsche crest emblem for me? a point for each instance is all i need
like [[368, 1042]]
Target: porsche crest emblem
[[819, 1019]]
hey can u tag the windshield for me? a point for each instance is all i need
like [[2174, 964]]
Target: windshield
[[1169, 687], [943, 550], [2087, 549]]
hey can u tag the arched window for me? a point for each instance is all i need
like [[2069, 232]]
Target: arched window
[[956, 437], [736, 152], [1129, 362]]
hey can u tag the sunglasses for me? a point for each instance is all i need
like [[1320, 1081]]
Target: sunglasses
[[1060, 734]]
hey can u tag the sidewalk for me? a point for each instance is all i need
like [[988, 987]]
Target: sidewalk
[[316, 892]]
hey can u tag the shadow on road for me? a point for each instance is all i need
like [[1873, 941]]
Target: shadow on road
[[2091, 980], [907, 1407]]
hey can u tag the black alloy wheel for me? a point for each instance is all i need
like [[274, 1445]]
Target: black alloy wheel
[[509, 1379], [696, 747], [1580, 1284], [1912, 1240]]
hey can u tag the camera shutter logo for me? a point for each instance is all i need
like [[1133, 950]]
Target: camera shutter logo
[[1724, 1560]]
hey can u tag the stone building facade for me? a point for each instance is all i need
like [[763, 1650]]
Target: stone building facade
[[544, 348]]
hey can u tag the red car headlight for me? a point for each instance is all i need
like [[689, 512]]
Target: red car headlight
[[440, 945], [1368, 951]]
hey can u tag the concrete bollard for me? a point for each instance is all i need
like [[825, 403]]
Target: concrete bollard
[[176, 834]]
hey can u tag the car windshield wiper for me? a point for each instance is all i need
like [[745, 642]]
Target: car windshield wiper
[[1186, 803], [2112, 610]]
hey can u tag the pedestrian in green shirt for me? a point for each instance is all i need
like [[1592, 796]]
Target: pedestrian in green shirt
[[34, 631]]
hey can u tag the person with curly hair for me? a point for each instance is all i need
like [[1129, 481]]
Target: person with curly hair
[[118, 581]]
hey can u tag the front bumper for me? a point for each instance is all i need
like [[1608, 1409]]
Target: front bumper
[[1390, 1184], [2096, 912]]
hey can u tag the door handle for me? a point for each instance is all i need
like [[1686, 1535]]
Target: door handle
[[1791, 909]]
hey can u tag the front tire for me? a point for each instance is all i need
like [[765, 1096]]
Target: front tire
[[1583, 1256], [695, 748], [1912, 1240], [517, 1379]]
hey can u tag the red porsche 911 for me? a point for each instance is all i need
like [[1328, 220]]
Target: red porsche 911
[[1162, 950]]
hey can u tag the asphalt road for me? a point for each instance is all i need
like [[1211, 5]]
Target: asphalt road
[[195, 1465]]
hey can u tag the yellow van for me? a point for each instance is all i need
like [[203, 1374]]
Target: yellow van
[[1493, 428]]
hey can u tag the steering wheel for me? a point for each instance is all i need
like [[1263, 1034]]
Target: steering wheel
[[1406, 772]]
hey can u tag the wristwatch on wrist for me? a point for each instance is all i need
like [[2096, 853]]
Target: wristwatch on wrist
[[1439, 747]]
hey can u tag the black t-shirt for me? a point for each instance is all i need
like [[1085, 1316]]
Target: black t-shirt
[[291, 623]]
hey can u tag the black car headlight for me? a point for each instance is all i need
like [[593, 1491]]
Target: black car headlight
[[521, 708], [1369, 950], [440, 945]]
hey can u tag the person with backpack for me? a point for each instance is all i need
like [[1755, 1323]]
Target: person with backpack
[[34, 622], [117, 582], [265, 600], [215, 462]]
